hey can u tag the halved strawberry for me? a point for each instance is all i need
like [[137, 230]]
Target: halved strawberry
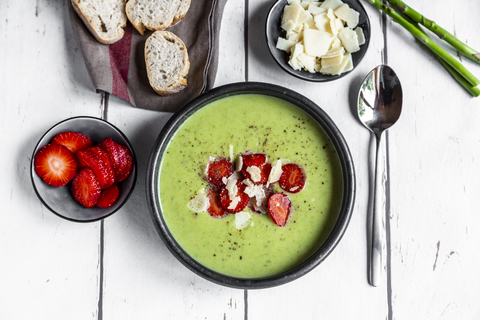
[[112, 149], [258, 160], [293, 178], [265, 173], [217, 170], [74, 141], [242, 201], [125, 164], [120, 157], [101, 168], [55, 164], [254, 159], [86, 188], [106, 160], [279, 208], [108, 197], [215, 208]]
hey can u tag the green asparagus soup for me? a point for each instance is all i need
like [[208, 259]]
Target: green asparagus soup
[[258, 123]]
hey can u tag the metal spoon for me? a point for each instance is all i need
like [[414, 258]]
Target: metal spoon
[[379, 107]]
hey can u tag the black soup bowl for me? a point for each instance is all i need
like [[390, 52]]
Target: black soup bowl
[[339, 222]]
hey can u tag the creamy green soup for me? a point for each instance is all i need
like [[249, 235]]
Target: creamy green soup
[[258, 123]]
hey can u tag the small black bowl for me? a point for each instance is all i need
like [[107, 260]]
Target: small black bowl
[[60, 200], [323, 120], [273, 32]]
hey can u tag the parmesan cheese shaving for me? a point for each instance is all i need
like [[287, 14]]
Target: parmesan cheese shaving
[[242, 220], [200, 202], [231, 187], [275, 173], [239, 164], [255, 173], [348, 15], [234, 203]]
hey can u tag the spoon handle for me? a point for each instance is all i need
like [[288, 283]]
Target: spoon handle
[[377, 212]]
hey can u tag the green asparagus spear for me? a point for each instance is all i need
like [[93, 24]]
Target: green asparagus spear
[[439, 31], [474, 91], [428, 42]]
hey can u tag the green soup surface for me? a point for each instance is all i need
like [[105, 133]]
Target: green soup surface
[[259, 123]]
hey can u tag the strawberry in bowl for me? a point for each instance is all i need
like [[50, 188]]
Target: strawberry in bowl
[[83, 169]]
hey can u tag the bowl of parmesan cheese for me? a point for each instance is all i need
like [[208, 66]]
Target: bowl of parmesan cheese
[[318, 41]]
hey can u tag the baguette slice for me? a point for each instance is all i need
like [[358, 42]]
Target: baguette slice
[[155, 15], [105, 19], [167, 63]]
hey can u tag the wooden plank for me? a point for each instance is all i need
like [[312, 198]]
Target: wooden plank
[[142, 278], [231, 56], [168, 288], [49, 266], [343, 275], [434, 160]]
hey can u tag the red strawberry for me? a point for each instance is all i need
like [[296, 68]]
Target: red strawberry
[[279, 208], [217, 170], [293, 178], [264, 173], [120, 157], [104, 156], [108, 197], [215, 208], [55, 164], [74, 141], [256, 160], [112, 149], [226, 202], [86, 188], [101, 168], [125, 164]]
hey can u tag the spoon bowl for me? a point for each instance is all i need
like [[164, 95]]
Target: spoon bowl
[[380, 99], [379, 107]]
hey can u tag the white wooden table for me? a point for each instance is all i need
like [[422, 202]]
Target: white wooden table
[[118, 268]]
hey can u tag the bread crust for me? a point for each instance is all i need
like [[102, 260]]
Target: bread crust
[[90, 28], [181, 82], [182, 14], [141, 26]]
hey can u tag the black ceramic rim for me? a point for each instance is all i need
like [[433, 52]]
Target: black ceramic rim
[[152, 180], [32, 170], [274, 24]]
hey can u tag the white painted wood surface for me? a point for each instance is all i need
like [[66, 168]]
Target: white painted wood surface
[[119, 269]]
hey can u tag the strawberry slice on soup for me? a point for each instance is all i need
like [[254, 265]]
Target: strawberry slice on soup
[[255, 167], [233, 197], [215, 208], [293, 178], [218, 169], [279, 207]]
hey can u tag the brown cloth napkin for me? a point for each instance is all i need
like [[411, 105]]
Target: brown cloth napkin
[[120, 68]]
